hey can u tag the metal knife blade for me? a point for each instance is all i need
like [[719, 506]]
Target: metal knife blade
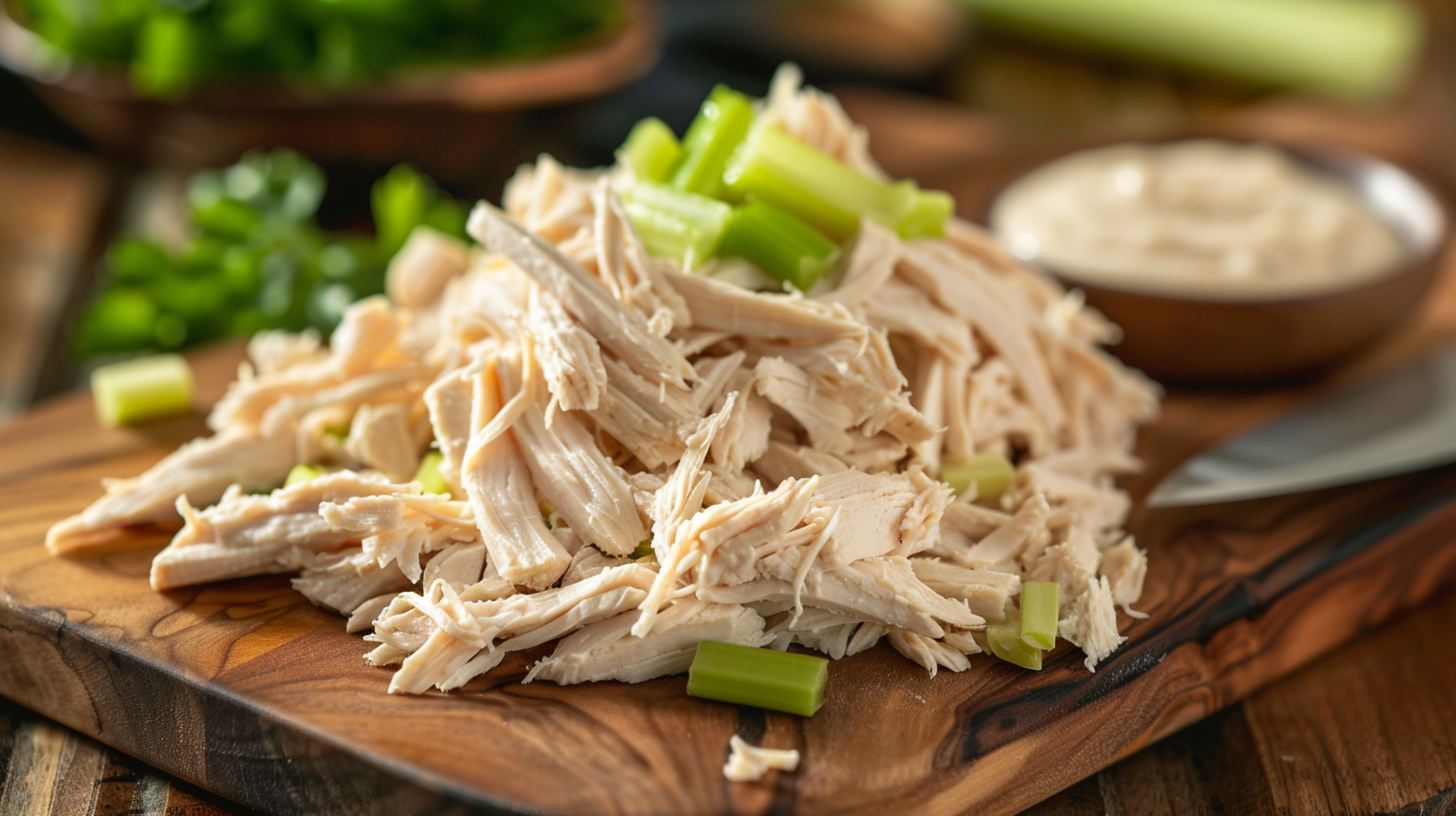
[[1398, 422]]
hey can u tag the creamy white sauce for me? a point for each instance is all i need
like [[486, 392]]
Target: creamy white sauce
[[1195, 217]]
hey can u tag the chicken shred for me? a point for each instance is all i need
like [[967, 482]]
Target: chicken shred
[[775, 452]]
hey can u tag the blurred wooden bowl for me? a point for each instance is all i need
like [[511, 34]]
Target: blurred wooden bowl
[[1250, 340], [426, 114]]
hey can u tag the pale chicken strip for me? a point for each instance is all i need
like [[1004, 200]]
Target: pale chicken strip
[[608, 650], [201, 470], [719, 306], [253, 535], [591, 494], [624, 332], [502, 494]]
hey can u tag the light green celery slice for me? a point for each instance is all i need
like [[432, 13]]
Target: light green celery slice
[[676, 224], [781, 681], [652, 149], [775, 167], [1004, 638], [927, 218], [720, 125], [142, 389], [1039, 610], [991, 472], [428, 473], [783, 246], [302, 473]]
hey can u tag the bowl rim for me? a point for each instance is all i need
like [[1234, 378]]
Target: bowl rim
[[588, 66], [1320, 156]]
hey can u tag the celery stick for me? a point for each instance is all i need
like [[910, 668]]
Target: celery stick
[[781, 681], [720, 125], [991, 472], [1355, 49], [302, 473], [1004, 637], [781, 245], [676, 224], [927, 218], [651, 149], [142, 389], [1039, 601], [428, 473]]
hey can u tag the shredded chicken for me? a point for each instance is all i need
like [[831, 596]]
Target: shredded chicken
[[640, 459], [747, 763]]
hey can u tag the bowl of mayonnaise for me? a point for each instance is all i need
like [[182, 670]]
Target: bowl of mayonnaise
[[1230, 262]]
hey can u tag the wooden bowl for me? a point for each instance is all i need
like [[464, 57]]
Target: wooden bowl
[[427, 115], [1250, 339]]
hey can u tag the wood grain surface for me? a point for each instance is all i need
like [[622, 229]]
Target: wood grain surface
[[247, 690]]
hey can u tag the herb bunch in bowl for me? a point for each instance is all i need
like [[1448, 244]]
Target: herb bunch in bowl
[[257, 259], [171, 46]]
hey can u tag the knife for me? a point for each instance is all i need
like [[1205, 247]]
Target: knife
[[1398, 422]]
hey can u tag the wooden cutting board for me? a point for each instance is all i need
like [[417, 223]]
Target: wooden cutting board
[[246, 689]]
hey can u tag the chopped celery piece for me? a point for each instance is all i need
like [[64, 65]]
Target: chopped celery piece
[[773, 166], [643, 550], [1004, 637], [651, 149], [720, 125], [1039, 602], [758, 677], [142, 389], [781, 245], [927, 218], [676, 224], [991, 472], [302, 473], [428, 473]]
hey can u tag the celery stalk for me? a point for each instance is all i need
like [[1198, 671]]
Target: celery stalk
[[927, 217], [302, 473], [676, 224], [1004, 638], [781, 681], [720, 125], [781, 245], [1354, 49], [142, 389], [651, 149], [775, 167], [1039, 602], [428, 473], [990, 472]]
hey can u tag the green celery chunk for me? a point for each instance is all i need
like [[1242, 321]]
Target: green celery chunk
[[990, 472], [775, 167], [781, 681], [643, 550], [676, 224], [720, 125], [1039, 602], [302, 473], [783, 246], [1004, 638], [429, 475], [652, 150], [143, 389], [927, 218]]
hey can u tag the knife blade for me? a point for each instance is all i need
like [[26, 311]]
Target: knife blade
[[1398, 422]]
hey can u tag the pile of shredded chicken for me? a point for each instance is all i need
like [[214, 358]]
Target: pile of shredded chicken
[[777, 450]]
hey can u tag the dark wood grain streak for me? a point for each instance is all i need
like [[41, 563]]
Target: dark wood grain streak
[[245, 689]]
